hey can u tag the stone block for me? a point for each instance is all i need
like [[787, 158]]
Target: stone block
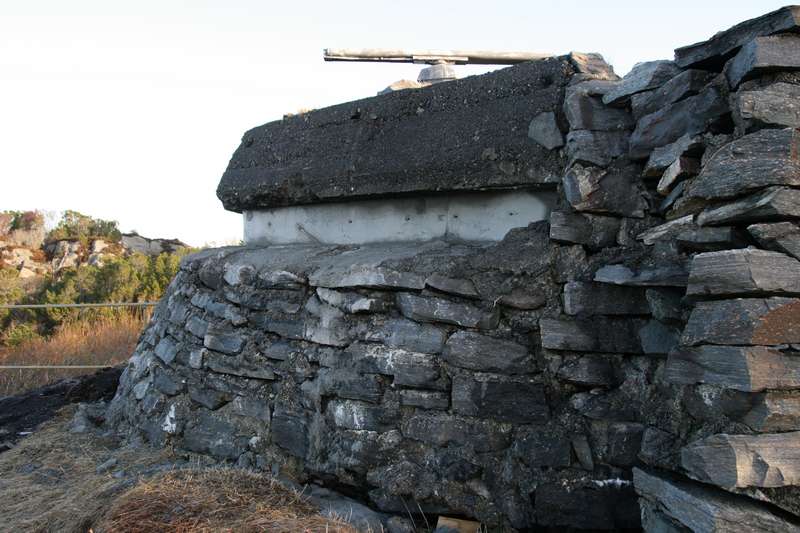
[[611, 191], [355, 415], [197, 326], [771, 204], [410, 369], [590, 370], [459, 287], [223, 340], [673, 275], [352, 302], [520, 401], [740, 461], [208, 398], [680, 169], [543, 129], [441, 429], [616, 443], [596, 147], [166, 350], [757, 160], [780, 237], [753, 321], [764, 54], [592, 231], [586, 111], [424, 399], [642, 77], [682, 85], [592, 335], [424, 309], [774, 105], [290, 432], [471, 350], [744, 368], [694, 115], [703, 508], [743, 272], [774, 412], [586, 298], [409, 335], [350, 385], [542, 447], [663, 156], [599, 504]]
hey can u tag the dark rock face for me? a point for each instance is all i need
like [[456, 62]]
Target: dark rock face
[[392, 144]]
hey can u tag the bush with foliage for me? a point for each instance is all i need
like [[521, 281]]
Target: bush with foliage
[[10, 290], [77, 226], [135, 278], [23, 220]]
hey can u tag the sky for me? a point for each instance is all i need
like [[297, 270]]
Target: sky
[[131, 110]]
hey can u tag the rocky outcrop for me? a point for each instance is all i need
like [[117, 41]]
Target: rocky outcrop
[[643, 343]]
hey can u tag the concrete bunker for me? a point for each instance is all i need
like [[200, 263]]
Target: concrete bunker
[[622, 363]]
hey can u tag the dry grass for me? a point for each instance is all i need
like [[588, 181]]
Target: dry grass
[[49, 483], [106, 342], [187, 501]]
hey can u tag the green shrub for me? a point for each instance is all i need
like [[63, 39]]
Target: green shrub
[[10, 290], [77, 226], [25, 220], [19, 333]]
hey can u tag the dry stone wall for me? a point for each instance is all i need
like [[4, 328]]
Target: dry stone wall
[[632, 362]]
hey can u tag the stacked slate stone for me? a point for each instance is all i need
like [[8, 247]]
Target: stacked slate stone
[[721, 141], [643, 343]]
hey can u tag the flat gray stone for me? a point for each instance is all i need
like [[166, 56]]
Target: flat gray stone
[[740, 461], [642, 77], [585, 110], [409, 335], [424, 309], [611, 191], [680, 169], [592, 335], [593, 231], [771, 204], [763, 54], [500, 399], [686, 83], [459, 287], [223, 340], [663, 156], [743, 272], [441, 429], [757, 160], [596, 147], [745, 321], [774, 105], [702, 508], [675, 275], [713, 52], [744, 368], [544, 130], [691, 116], [780, 237], [774, 412], [585, 298], [467, 349], [592, 370], [411, 369], [425, 399]]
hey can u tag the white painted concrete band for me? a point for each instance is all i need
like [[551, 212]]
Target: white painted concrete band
[[476, 216]]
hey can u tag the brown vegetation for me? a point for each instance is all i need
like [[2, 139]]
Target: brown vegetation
[[105, 342], [50, 482], [223, 499]]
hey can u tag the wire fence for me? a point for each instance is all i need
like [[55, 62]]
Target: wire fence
[[69, 306]]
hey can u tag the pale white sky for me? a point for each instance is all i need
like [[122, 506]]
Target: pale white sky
[[131, 110]]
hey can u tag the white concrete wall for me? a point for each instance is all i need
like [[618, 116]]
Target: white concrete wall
[[477, 216]]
